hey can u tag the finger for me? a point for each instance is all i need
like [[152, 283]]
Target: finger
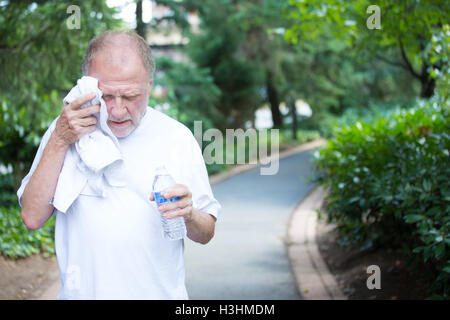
[[152, 197], [178, 213], [78, 102], [83, 130], [86, 112], [88, 121], [177, 190], [180, 204]]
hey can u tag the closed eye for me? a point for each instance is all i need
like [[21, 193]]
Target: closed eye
[[133, 97]]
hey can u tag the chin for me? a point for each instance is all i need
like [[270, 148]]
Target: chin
[[123, 133]]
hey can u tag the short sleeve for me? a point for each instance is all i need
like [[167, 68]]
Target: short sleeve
[[202, 196], [36, 160]]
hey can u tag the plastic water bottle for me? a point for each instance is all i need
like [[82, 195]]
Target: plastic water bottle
[[173, 229]]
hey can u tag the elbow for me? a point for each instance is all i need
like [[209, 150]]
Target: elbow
[[204, 241], [30, 223], [208, 239], [201, 239]]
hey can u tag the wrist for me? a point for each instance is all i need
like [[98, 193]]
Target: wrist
[[191, 217], [58, 143]]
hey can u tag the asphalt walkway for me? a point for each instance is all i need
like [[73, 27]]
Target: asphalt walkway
[[247, 258]]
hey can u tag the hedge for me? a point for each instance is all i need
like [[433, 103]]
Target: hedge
[[389, 186]]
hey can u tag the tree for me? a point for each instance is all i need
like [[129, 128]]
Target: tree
[[140, 24], [404, 40], [190, 92], [216, 48]]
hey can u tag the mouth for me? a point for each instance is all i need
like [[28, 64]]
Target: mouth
[[119, 123]]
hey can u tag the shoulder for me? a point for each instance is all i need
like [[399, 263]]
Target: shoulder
[[177, 129]]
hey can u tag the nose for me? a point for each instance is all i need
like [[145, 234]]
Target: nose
[[118, 109]]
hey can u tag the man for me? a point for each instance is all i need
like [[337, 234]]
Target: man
[[111, 247]]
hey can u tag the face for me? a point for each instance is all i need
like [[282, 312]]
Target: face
[[123, 80]]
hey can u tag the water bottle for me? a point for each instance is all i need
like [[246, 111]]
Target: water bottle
[[173, 229]]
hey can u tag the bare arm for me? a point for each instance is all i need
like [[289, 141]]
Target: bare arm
[[200, 228], [72, 124], [36, 209]]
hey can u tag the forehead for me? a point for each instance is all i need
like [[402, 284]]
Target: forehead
[[118, 68], [120, 88]]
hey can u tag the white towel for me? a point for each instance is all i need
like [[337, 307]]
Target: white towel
[[93, 160]]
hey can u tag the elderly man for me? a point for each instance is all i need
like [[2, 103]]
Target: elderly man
[[111, 247]]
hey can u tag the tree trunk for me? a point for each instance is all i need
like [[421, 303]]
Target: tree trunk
[[140, 25], [427, 89], [272, 96], [428, 83], [293, 111]]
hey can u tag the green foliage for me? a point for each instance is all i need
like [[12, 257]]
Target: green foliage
[[38, 53], [191, 93], [303, 136], [407, 29], [20, 135], [389, 184], [217, 48], [17, 241], [329, 124], [440, 51]]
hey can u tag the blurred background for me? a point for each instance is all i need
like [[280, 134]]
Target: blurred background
[[378, 93]]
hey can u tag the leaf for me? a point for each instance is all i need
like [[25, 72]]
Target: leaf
[[418, 249], [413, 218], [434, 211], [426, 185], [354, 199], [426, 254], [440, 250]]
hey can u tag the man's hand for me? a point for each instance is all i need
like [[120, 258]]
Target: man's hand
[[182, 207], [200, 225], [75, 122]]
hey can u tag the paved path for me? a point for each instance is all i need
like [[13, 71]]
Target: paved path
[[247, 258]]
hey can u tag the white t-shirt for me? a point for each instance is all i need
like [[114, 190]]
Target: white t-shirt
[[112, 247]]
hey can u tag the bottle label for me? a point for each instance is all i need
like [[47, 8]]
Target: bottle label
[[160, 199]]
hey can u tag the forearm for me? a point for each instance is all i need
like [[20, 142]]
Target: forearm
[[36, 209], [200, 228]]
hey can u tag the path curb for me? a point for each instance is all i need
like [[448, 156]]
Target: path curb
[[315, 282]]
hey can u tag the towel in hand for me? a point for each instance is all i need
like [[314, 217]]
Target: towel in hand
[[94, 159]]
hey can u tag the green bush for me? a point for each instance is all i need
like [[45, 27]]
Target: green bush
[[17, 241], [389, 185], [328, 122]]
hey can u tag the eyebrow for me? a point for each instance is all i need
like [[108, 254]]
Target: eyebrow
[[132, 94], [126, 94]]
